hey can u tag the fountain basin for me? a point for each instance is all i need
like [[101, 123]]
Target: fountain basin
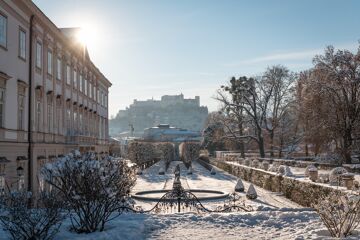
[[201, 194]]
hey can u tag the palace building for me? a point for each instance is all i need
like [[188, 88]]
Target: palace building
[[53, 99]]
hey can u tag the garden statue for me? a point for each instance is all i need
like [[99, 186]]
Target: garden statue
[[177, 173]]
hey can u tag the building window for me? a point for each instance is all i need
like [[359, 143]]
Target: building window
[[50, 114], [22, 44], [81, 123], [90, 90], [2, 107], [58, 68], [58, 115], [68, 75], [75, 79], [68, 119], [38, 55], [94, 91], [98, 96], [21, 107], [49, 62], [81, 83], [105, 104], [85, 87], [75, 121], [38, 114], [3, 30]]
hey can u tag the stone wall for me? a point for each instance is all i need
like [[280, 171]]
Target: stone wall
[[301, 192]]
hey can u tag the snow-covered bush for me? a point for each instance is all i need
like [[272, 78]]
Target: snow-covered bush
[[335, 175], [274, 168], [265, 165], [251, 192], [255, 163], [167, 152], [247, 162], [284, 170], [311, 166], [161, 171], [92, 190], [324, 178], [339, 213], [239, 187], [141, 152], [189, 151], [24, 218]]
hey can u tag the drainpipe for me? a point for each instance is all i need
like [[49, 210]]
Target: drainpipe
[[30, 160]]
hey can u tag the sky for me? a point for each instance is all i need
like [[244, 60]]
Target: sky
[[150, 48]]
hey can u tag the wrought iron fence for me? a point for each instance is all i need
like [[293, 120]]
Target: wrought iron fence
[[180, 200]]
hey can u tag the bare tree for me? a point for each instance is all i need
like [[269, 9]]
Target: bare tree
[[333, 94], [233, 118], [278, 83], [252, 97]]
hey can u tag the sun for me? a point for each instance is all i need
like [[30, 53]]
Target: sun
[[88, 35], [82, 36]]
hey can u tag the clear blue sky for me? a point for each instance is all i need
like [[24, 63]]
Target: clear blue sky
[[150, 48]]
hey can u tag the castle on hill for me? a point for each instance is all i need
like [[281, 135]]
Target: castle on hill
[[174, 110]]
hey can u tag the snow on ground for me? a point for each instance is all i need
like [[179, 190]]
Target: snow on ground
[[202, 179], [255, 225], [280, 219]]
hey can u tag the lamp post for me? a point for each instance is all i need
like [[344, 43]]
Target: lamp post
[[20, 171]]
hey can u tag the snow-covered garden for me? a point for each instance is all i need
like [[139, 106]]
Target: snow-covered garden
[[91, 194]]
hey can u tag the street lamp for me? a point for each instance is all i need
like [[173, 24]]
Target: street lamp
[[20, 171]]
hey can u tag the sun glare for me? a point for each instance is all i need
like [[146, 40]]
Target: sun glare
[[87, 36], [82, 37]]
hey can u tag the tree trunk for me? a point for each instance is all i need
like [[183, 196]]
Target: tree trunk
[[271, 143], [347, 147], [242, 145], [261, 146], [281, 147], [306, 150]]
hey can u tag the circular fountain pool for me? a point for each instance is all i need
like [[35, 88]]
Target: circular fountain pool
[[201, 194]]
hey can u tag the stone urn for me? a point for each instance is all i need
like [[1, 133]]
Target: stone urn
[[313, 174], [348, 179]]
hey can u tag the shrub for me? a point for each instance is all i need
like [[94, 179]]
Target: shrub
[[311, 166], [166, 152], [255, 163], [251, 192], [141, 152], [189, 151], [92, 190], [339, 213], [24, 218], [335, 175]]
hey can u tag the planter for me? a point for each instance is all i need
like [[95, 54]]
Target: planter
[[348, 179], [313, 174]]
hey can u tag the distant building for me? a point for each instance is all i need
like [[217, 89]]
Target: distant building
[[173, 110], [166, 133]]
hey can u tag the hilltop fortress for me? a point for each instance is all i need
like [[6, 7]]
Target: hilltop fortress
[[174, 110]]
